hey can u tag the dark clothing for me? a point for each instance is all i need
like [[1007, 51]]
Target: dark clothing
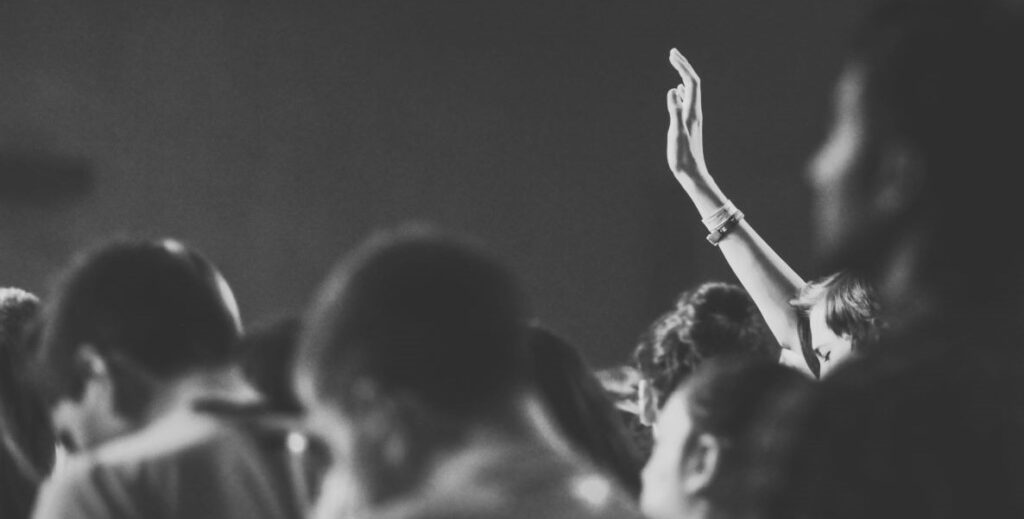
[[192, 465], [17, 492], [929, 425]]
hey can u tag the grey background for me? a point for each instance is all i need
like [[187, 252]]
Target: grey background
[[275, 135]]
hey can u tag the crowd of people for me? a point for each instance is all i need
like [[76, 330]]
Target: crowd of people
[[418, 383]]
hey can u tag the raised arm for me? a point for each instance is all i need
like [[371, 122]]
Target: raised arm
[[767, 278]]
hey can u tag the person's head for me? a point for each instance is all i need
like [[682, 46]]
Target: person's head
[[910, 433], [267, 352], [839, 316], [709, 438], [27, 443], [714, 319], [124, 322], [581, 407], [915, 183], [415, 337]]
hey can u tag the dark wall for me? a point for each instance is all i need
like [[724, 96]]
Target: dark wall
[[273, 137]]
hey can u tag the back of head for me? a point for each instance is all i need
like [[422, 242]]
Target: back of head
[[941, 78], [732, 406], [742, 400], [713, 320], [156, 309], [908, 433], [419, 313], [582, 408]]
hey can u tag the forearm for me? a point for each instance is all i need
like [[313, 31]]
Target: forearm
[[769, 280]]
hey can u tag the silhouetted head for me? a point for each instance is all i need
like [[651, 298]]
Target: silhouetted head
[[911, 432], [915, 185], [418, 312], [415, 340], [124, 319], [715, 319]]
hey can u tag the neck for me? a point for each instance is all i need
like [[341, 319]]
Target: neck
[[443, 467], [179, 394]]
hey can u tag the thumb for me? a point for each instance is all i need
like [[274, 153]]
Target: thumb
[[675, 106]]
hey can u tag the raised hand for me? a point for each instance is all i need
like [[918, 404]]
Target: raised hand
[[685, 147]]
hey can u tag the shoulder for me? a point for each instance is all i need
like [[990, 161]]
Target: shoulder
[[81, 488]]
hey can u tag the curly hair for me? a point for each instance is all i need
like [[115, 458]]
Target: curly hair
[[712, 320]]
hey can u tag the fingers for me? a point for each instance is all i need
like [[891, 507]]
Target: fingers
[[689, 90], [696, 112], [683, 67], [675, 107]]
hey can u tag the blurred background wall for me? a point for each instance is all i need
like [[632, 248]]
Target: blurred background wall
[[275, 135]]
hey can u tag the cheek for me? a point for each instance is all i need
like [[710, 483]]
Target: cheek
[[656, 495], [841, 352], [660, 490]]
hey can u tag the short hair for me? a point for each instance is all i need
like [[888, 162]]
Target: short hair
[[27, 443], [851, 308], [737, 400], [714, 319], [421, 313], [942, 77], [154, 306], [582, 408]]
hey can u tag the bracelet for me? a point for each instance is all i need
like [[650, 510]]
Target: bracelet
[[725, 228], [719, 216]]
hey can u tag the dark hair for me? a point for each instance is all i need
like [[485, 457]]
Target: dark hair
[[267, 353], [737, 400], [154, 309], [942, 76], [851, 308], [916, 430], [582, 408], [714, 319], [421, 313], [28, 445]]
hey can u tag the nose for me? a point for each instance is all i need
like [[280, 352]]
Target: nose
[[815, 167]]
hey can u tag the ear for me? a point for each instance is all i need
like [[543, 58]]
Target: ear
[[91, 364], [901, 175], [702, 463], [647, 403]]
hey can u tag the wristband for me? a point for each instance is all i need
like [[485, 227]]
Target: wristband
[[725, 228], [719, 216]]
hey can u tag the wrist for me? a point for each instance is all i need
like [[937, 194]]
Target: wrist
[[724, 226], [697, 178]]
